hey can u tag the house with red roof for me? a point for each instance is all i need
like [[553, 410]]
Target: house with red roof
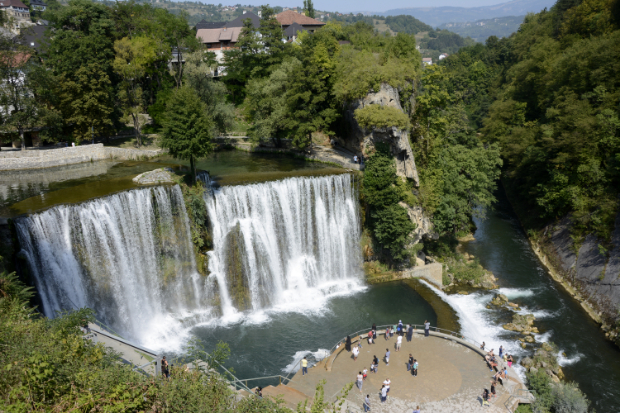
[[289, 17]]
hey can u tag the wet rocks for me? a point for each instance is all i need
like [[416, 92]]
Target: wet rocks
[[499, 300], [521, 323]]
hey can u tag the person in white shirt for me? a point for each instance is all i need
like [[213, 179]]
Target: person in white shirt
[[356, 352], [387, 383], [399, 341], [367, 403], [383, 394], [360, 380]]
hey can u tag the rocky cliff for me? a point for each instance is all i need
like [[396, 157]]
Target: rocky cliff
[[591, 270], [364, 141]]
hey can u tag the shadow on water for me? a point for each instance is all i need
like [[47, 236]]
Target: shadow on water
[[591, 360]]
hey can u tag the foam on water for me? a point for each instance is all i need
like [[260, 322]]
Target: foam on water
[[513, 293], [566, 361]]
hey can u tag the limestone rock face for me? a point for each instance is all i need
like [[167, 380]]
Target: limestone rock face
[[424, 226], [364, 141]]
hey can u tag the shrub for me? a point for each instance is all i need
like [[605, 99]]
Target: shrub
[[377, 116]]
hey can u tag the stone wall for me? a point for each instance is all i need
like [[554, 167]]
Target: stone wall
[[46, 158], [430, 272]]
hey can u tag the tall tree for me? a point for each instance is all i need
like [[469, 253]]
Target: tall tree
[[187, 127], [309, 8], [133, 59]]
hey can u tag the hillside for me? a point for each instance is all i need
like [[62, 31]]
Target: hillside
[[436, 16], [480, 30]]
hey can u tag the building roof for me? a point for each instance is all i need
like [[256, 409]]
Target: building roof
[[14, 3], [286, 18], [209, 25], [238, 22], [217, 35], [38, 3], [33, 36], [293, 30]]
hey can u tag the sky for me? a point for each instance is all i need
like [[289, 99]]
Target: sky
[[377, 6]]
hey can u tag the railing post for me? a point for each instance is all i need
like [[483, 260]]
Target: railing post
[[280, 379]]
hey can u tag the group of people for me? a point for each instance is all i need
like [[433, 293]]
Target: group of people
[[501, 375]]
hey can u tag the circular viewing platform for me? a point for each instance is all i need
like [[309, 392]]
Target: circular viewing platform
[[452, 375]]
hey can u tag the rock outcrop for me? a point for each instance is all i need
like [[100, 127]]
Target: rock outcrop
[[423, 224], [364, 141], [591, 271], [157, 176]]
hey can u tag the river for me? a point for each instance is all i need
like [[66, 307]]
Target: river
[[591, 360]]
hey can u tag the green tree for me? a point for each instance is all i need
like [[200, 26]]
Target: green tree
[[309, 8], [187, 128], [133, 59], [85, 96]]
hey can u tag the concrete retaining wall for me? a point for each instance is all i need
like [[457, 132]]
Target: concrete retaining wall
[[46, 158], [430, 272]]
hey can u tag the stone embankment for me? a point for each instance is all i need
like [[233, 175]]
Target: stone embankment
[[46, 158]]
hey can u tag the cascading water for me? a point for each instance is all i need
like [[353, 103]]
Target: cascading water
[[286, 245], [128, 256]]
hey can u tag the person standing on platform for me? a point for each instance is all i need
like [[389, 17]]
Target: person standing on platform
[[387, 356], [410, 364], [414, 371], [367, 403], [347, 344], [427, 328], [410, 332], [304, 366], [399, 342], [360, 381]]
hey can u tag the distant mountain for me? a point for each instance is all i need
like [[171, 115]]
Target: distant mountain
[[481, 30], [436, 16]]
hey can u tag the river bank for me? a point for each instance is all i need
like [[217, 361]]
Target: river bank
[[553, 246]]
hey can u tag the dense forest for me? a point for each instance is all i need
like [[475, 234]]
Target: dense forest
[[549, 96]]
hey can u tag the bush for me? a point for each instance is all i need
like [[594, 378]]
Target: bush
[[392, 227], [377, 116], [567, 398]]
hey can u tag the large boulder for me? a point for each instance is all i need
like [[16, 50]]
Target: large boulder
[[156, 176]]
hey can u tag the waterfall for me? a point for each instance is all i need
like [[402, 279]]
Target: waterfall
[[286, 244], [128, 256]]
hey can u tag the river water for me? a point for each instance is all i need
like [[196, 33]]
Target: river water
[[501, 246]]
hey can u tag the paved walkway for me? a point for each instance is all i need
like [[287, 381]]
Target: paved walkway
[[451, 377]]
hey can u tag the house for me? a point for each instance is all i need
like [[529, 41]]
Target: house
[[33, 36], [16, 9], [443, 56], [427, 61], [221, 36], [288, 17], [38, 5], [292, 32]]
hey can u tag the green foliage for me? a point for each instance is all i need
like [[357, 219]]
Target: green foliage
[[406, 24], [378, 116], [389, 221], [187, 128]]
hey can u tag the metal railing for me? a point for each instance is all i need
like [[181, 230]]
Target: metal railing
[[365, 331]]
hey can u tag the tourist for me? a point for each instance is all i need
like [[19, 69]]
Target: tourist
[[374, 331], [375, 362], [387, 356], [304, 366], [347, 345], [360, 380], [399, 329], [505, 357], [367, 403], [485, 398], [387, 383], [383, 394], [414, 371], [509, 360], [392, 329], [356, 352], [365, 373], [482, 346], [505, 373], [427, 328], [492, 390], [410, 364], [410, 333], [387, 333], [354, 158], [370, 337], [416, 410], [501, 351], [399, 342], [165, 372], [259, 391]]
